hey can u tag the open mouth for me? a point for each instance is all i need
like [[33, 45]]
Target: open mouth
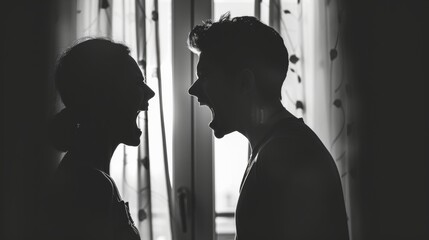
[[205, 103], [145, 107], [211, 124], [138, 120]]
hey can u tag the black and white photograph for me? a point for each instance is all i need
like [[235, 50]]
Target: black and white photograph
[[215, 120]]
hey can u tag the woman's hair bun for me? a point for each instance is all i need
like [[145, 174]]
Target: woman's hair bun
[[62, 130]]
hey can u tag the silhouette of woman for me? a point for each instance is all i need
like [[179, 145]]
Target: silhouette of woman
[[103, 91]]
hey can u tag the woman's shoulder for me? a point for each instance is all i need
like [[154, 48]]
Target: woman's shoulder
[[81, 174], [82, 185]]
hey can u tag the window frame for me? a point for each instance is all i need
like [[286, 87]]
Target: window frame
[[192, 140]]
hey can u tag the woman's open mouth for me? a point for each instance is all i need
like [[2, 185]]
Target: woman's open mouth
[[145, 107]]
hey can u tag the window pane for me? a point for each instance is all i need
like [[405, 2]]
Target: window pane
[[231, 153]]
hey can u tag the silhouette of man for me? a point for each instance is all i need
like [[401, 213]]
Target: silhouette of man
[[291, 188]]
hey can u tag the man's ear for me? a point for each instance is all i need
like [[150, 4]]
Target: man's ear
[[246, 80]]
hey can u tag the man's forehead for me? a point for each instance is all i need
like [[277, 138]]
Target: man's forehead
[[205, 62], [202, 58], [202, 64]]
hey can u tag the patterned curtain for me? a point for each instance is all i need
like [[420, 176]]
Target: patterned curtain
[[341, 103], [316, 87]]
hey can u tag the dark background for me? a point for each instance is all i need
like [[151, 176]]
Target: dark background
[[28, 98], [387, 42]]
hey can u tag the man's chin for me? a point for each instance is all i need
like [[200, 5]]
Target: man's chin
[[218, 132], [219, 135]]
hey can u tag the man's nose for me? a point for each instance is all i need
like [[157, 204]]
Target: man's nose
[[194, 89]]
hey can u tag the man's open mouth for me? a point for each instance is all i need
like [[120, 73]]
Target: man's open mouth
[[205, 103]]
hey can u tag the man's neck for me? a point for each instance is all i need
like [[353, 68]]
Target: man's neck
[[263, 118]]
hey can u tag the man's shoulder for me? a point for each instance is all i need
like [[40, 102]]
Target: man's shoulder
[[294, 133], [286, 155], [293, 139], [291, 148]]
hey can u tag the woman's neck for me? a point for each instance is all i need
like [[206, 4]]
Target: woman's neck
[[94, 149]]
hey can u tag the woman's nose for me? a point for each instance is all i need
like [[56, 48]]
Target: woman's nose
[[149, 93]]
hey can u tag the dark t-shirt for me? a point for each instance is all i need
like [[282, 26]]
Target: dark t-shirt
[[291, 189]]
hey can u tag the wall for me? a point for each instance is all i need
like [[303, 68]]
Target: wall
[[27, 92], [388, 43]]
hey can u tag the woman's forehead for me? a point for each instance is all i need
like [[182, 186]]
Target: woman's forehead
[[133, 71]]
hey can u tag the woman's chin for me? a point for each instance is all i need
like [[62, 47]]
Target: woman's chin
[[133, 139], [132, 142]]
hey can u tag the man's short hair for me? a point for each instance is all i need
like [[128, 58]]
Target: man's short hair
[[242, 42]]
